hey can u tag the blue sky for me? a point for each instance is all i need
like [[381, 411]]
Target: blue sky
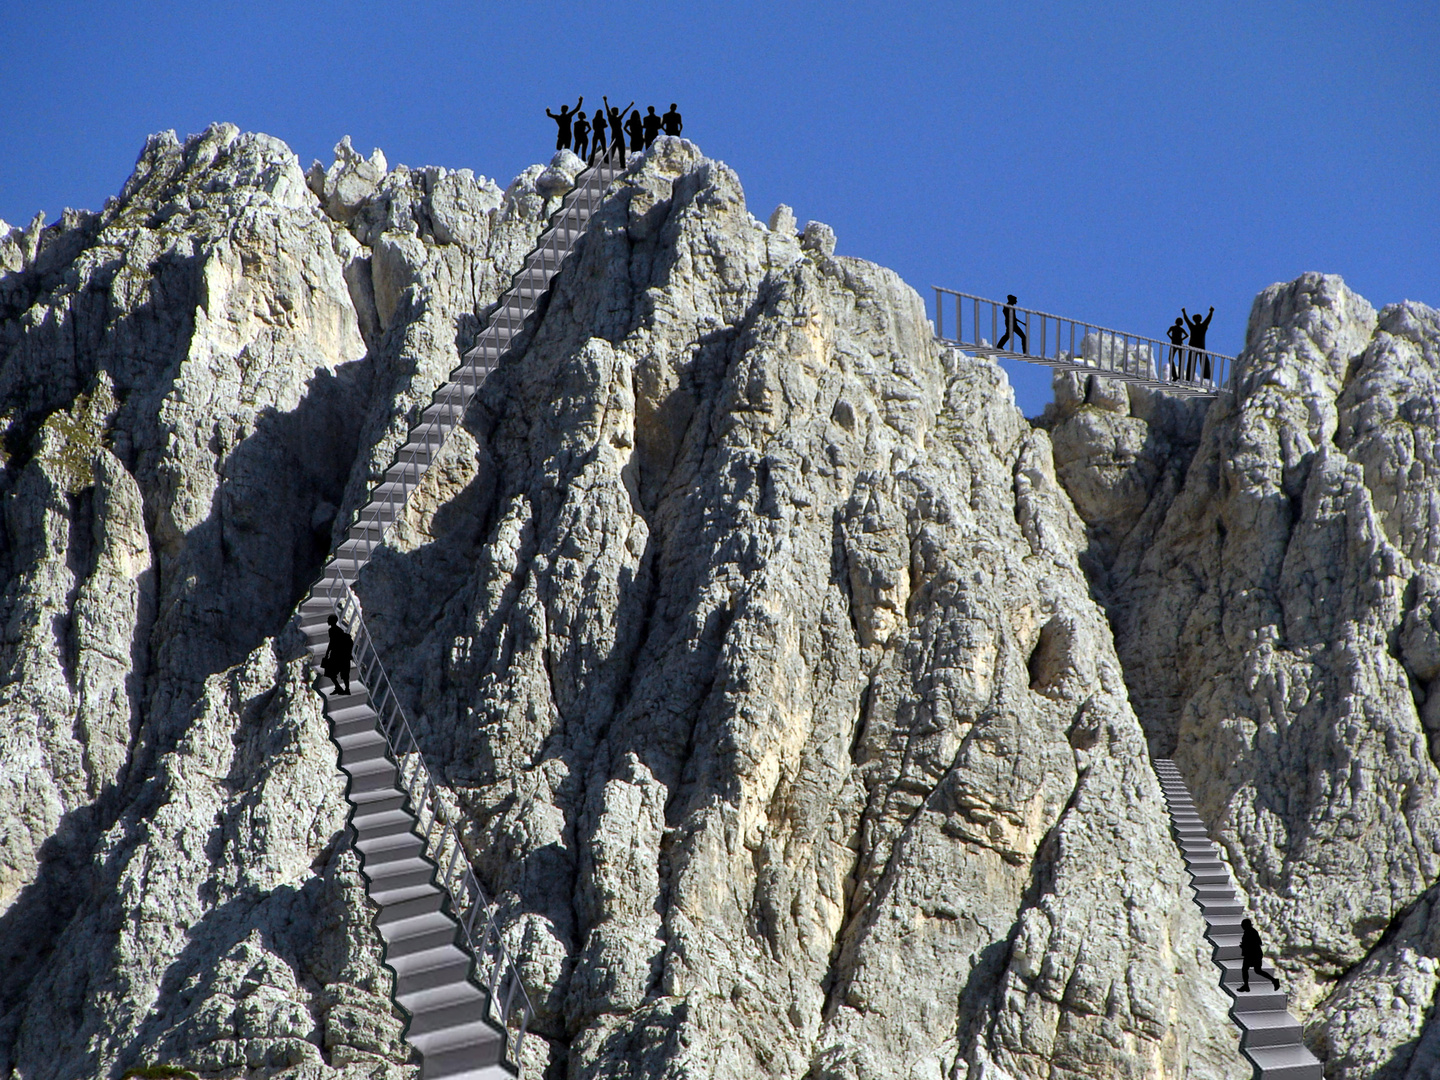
[[1108, 162]]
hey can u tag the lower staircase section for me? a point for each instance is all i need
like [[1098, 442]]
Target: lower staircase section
[[1270, 1036], [461, 1026]]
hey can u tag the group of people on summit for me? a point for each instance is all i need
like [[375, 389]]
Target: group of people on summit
[[586, 138]]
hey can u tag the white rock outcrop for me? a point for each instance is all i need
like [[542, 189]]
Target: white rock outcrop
[[1271, 578], [756, 638]]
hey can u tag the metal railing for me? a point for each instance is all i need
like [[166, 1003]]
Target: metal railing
[[1042, 338], [508, 1001], [496, 969]]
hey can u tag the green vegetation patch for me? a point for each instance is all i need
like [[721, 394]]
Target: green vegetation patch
[[71, 438]]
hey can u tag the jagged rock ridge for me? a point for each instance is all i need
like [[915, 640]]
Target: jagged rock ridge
[[1270, 568], [750, 631]]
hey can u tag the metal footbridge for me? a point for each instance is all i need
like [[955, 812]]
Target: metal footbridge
[[467, 1005], [986, 327], [468, 1008]]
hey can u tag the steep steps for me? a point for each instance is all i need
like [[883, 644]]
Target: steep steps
[[468, 1009], [1270, 1038]]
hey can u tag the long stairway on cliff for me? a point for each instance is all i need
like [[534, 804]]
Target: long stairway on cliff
[[1270, 1036], [468, 1008]]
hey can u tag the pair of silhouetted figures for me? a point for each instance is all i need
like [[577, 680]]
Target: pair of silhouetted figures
[[587, 137], [335, 664], [1195, 351]]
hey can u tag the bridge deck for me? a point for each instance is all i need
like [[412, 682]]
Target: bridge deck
[[1072, 345]]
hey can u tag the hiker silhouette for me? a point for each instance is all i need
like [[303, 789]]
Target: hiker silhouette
[[617, 128], [1013, 325], [562, 139], [1176, 334], [582, 136], [670, 122], [336, 662], [635, 128], [652, 127], [1198, 326], [597, 134], [1252, 955]]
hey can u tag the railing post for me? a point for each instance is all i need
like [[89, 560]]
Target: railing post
[[939, 315]]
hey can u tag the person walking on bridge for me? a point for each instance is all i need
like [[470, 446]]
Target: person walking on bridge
[[562, 140], [1013, 325], [671, 121], [617, 128], [336, 662], [1252, 955], [1176, 334], [1198, 327]]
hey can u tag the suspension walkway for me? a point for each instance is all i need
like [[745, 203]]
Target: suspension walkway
[[468, 1008], [1071, 345], [1270, 1036]]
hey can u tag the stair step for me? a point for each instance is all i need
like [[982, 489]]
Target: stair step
[[379, 850], [399, 911], [444, 986], [475, 1043], [1286, 1063], [397, 874], [1270, 1027], [425, 949], [438, 980], [470, 1009], [464, 1063]]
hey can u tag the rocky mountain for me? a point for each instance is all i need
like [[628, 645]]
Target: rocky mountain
[[797, 692]]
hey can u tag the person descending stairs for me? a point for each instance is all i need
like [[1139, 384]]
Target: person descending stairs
[[1270, 1037], [468, 1009]]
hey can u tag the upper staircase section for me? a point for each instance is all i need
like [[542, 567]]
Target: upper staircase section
[[447, 408], [467, 1005], [1058, 342]]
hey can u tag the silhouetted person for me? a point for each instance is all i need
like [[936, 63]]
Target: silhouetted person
[[617, 129], [562, 140], [1198, 326], [597, 145], [670, 122], [1252, 955], [635, 128], [1013, 325], [1176, 334], [336, 661], [582, 136], [652, 127]]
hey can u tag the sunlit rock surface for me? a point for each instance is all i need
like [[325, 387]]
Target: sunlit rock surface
[[1273, 578], [758, 639]]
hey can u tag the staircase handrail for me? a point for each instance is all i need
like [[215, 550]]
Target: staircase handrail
[[456, 876], [452, 397], [441, 838]]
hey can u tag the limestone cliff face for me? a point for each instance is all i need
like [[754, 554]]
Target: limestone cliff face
[[750, 631], [1272, 580], [191, 382]]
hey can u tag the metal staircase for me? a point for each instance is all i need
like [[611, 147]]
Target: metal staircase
[[468, 1008], [1270, 1036]]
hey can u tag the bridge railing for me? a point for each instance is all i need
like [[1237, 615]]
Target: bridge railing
[[980, 327], [476, 913]]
